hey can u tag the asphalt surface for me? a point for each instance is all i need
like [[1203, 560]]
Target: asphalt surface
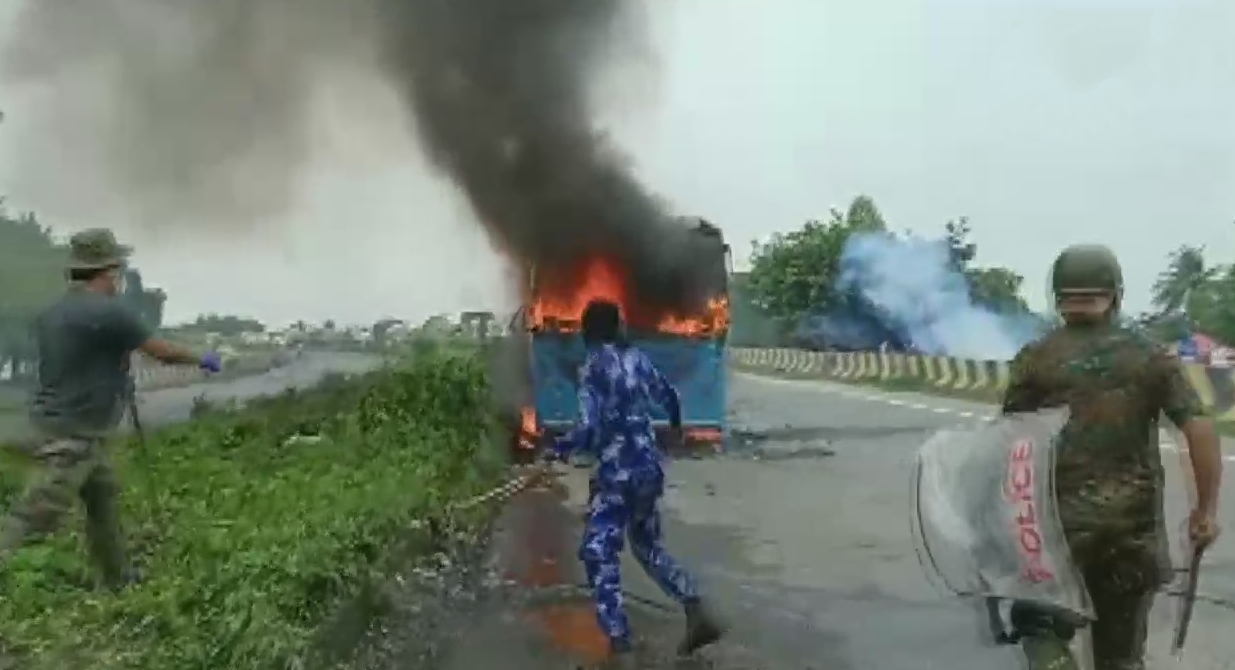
[[812, 555], [171, 405], [800, 535], [161, 406]]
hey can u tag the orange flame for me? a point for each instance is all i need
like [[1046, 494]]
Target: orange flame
[[559, 305], [529, 434]]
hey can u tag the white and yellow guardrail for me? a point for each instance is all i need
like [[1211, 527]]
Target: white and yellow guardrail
[[1215, 385]]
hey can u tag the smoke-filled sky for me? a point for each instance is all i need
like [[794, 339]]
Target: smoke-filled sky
[[1047, 123]]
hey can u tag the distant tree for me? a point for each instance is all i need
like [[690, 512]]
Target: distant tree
[[438, 324], [864, 216], [225, 325], [750, 326], [961, 249], [793, 277], [996, 288], [381, 330], [793, 274], [1192, 295], [1213, 305], [31, 276], [1186, 274], [1167, 327]]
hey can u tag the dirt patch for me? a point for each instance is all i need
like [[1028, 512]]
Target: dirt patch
[[515, 600]]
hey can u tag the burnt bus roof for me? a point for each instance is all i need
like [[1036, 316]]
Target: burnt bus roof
[[697, 223], [702, 225]]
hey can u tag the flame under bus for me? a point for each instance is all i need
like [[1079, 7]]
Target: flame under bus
[[688, 349]]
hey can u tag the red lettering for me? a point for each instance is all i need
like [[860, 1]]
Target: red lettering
[[1018, 491], [1022, 481], [1022, 451], [1031, 541]]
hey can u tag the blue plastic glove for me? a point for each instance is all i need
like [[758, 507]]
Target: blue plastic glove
[[211, 362]]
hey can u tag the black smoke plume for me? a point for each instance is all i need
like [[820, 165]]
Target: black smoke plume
[[192, 113], [203, 107], [500, 92]]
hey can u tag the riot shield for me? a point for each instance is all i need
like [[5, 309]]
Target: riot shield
[[985, 519]]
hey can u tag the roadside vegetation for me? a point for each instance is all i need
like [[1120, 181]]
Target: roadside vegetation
[[255, 526]]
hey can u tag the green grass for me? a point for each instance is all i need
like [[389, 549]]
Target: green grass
[[253, 540], [916, 385]]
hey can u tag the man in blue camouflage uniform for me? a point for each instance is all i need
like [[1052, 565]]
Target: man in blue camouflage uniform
[[617, 386]]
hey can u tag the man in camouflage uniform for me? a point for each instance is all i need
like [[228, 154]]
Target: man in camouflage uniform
[[618, 385], [1109, 476], [85, 340]]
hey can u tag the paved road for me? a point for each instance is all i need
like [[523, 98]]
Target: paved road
[[812, 554], [801, 535], [170, 405]]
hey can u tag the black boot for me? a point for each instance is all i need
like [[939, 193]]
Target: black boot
[[702, 628]]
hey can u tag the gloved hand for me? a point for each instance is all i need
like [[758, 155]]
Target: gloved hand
[[211, 362]]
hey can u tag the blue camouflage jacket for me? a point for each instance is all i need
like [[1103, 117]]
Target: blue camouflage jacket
[[618, 386]]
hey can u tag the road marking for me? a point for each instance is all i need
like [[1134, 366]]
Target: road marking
[[1167, 441]]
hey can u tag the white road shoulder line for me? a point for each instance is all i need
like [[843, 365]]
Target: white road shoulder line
[[1166, 445]]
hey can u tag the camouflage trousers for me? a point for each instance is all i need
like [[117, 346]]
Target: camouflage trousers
[[1122, 573], [66, 470], [630, 508]]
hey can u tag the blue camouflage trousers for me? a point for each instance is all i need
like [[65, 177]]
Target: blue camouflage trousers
[[629, 508]]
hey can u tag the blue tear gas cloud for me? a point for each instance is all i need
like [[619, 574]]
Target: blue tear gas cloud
[[904, 291]]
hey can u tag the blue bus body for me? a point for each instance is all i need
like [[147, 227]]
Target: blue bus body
[[695, 366]]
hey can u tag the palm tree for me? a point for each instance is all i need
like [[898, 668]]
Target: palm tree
[[1212, 308], [1185, 274]]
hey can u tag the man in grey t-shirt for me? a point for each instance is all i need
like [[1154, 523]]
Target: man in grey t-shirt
[[85, 340]]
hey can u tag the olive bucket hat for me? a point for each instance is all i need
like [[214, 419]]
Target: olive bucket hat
[[95, 249]]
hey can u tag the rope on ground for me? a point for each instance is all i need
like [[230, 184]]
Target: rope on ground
[[498, 495], [517, 485], [508, 490]]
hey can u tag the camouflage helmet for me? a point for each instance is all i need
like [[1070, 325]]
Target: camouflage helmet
[[1088, 268], [97, 249]]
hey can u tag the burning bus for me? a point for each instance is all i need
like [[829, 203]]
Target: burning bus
[[688, 348]]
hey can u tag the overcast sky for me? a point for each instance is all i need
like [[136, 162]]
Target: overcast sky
[[1047, 123]]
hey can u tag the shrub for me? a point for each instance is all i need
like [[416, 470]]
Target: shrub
[[254, 525]]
